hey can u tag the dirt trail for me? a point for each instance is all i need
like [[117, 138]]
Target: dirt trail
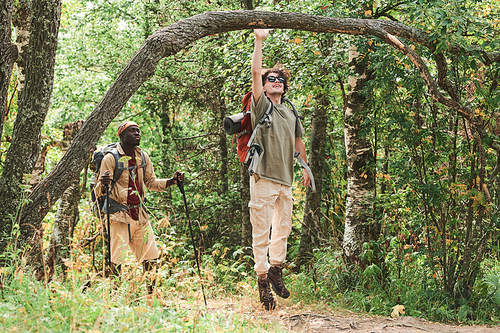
[[309, 322], [295, 317]]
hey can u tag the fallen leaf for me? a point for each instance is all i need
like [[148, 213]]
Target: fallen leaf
[[397, 311]]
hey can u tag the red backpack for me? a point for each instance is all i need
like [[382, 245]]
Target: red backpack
[[241, 124], [246, 129]]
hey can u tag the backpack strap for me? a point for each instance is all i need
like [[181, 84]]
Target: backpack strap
[[295, 112], [266, 117], [143, 165], [120, 166], [115, 207]]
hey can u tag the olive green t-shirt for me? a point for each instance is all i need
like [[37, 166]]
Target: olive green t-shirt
[[277, 142]]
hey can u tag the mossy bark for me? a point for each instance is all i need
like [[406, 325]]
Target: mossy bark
[[21, 23], [8, 56], [246, 226], [33, 105], [67, 214]]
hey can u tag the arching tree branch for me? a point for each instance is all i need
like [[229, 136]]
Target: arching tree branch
[[172, 39]]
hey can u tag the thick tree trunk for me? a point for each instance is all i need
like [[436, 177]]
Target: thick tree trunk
[[67, 213], [62, 233], [311, 228], [246, 226], [223, 147], [39, 169], [32, 109], [8, 56], [359, 227], [169, 41]]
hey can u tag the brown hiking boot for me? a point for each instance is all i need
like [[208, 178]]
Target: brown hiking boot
[[275, 276], [265, 295]]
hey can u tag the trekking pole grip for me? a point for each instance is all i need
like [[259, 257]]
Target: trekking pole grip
[[180, 185]]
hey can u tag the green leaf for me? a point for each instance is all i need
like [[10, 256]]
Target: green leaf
[[124, 159], [462, 313], [372, 270], [496, 297]]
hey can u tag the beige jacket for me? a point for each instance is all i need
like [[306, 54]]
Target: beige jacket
[[119, 191]]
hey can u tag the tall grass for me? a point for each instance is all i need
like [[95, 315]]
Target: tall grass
[[109, 305], [84, 300], [70, 303]]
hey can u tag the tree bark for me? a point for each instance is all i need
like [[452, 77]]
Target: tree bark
[[170, 40], [67, 213], [221, 113], [248, 4], [359, 227], [32, 109], [311, 227], [8, 56], [39, 169], [64, 225], [246, 226], [21, 23]]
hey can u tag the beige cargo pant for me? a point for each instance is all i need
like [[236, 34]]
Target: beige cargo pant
[[270, 205], [141, 242]]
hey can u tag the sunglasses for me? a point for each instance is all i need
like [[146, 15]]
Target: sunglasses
[[274, 78]]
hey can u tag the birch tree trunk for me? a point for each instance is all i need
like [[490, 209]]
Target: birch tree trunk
[[310, 236], [359, 227]]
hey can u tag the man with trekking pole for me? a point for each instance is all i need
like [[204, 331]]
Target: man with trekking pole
[[271, 200], [128, 221]]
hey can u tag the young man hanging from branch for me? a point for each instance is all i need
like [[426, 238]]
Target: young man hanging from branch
[[271, 200], [130, 225]]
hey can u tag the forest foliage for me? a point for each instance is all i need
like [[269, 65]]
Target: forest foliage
[[435, 167]]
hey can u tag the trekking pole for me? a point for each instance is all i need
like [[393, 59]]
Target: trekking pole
[[181, 188], [109, 227]]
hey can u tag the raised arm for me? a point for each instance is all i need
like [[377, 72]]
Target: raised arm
[[260, 35]]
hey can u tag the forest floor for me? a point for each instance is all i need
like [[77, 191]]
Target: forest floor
[[290, 317]]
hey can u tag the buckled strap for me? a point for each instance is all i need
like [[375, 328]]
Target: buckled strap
[[242, 133], [253, 157], [115, 207]]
